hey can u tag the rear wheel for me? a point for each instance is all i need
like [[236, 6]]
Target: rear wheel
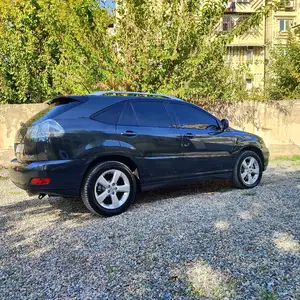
[[109, 188], [247, 171]]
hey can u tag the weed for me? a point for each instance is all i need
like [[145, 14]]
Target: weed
[[268, 295], [288, 158]]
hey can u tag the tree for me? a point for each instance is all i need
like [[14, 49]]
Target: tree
[[50, 47], [284, 70], [171, 46]]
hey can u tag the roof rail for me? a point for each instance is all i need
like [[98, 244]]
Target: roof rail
[[142, 94]]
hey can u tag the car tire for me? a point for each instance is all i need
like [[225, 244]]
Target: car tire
[[109, 188], [247, 171]]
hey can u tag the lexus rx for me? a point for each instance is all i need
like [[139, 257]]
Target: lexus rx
[[107, 146]]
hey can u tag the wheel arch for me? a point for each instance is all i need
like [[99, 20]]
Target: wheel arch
[[255, 150], [115, 157]]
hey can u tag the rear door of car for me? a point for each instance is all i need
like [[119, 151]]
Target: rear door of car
[[146, 129], [207, 149]]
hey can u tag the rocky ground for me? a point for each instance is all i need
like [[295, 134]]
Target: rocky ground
[[204, 241]]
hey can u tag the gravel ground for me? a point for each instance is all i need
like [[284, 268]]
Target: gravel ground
[[204, 241]]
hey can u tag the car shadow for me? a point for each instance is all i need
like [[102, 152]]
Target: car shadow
[[72, 208], [216, 186], [69, 208], [73, 205]]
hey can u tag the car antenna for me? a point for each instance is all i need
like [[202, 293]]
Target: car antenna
[[85, 87]]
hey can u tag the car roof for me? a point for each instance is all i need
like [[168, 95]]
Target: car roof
[[112, 97], [95, 103]]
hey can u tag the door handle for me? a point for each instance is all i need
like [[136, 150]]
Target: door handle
[[189, 135], [129, 133]]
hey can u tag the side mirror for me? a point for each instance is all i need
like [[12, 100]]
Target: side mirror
[[225, 124]]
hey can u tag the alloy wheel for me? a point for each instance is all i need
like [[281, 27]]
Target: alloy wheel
[[249, 170], [112, 189]]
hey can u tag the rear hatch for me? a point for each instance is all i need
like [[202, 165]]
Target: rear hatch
[[29, 136]]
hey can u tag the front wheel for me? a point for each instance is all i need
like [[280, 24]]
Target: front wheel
[[109, 188], [248, 170]]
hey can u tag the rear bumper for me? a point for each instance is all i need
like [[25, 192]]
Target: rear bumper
[[66, 176]]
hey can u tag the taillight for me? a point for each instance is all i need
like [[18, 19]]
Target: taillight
[[45, 129], [39, 181]]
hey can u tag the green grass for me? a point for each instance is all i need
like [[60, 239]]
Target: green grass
[[269, 295], [289, 158], [16, 193], [4, 178]]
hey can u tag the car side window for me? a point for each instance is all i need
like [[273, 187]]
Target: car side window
[[128, 116], [191, 117], [151, 114], [109, 115]]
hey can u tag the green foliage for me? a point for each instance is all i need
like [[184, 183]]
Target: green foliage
[[51, 47], [289, 158], [284, 82], [173, 48]]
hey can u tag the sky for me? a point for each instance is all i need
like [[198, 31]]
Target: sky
[[108, 3]]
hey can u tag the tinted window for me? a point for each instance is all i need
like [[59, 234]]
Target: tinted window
[[52, 111], [191, 117], [110, 115], [151, 113], [128, 117]]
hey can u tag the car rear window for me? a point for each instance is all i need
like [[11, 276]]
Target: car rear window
[[53, 110]]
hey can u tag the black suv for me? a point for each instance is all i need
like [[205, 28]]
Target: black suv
[[107, 146]]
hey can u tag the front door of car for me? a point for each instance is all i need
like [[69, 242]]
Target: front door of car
[[207, 150], [147, 131]]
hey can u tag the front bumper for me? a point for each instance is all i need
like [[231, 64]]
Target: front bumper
[[266, 154], [66, 176]]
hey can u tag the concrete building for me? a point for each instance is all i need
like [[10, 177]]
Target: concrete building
[[254, 47]]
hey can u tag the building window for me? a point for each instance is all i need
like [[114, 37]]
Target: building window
[[284, 25], [228, 23], [249, 84], [249, 55]]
